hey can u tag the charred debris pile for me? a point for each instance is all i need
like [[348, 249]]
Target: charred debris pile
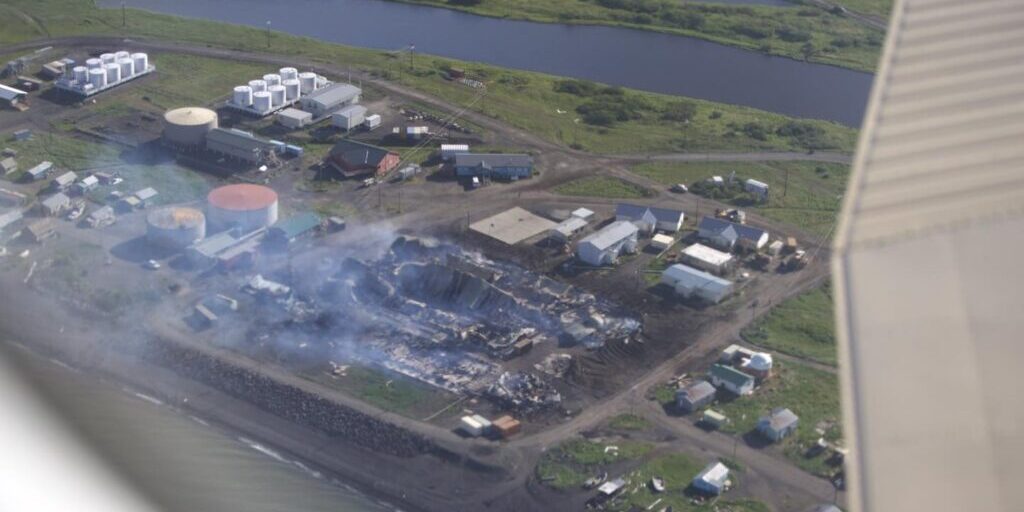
[[438, 314]]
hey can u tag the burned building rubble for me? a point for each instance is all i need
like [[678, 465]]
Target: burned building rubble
[[437, 314]]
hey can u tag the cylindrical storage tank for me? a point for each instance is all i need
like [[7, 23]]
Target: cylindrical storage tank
[[276, 95], [113, 73], [289, 73], [80, 74], [175, 227], [141, 62], [242, 96], [127, 67], [242, 205], [108, 58], [121, 55], [187, 127], [272, 79], [291, 89], [261, 101], [258, 85], [307, 82], [97, 77], [93, 63]]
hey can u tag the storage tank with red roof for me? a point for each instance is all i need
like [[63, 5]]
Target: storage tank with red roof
[[247, 206]]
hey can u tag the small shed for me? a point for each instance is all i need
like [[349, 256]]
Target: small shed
[[294, 227], [507, 426], [695, 396], [293, 118], [146, 195], [662, 242], [101, 217], [778, 424], [23, 135], [705, 258], [40, 171], [371, 121], [611, 488], [757, 188], [583, 213], [471, 426], [713, 418], [567, 229], [64, 181], [86, 184], [713, 479], [40, 231], [8, 165], [349, 117]]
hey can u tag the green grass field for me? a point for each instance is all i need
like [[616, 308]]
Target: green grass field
[[573, 462], [812, 394], [677, 470], [628, 422], [804, 194], [802, 326], [529, 101], [389, 391], [603, 186], [881, 8], [801, 32]]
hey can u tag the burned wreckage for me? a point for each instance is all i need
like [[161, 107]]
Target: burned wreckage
[[438, 314]]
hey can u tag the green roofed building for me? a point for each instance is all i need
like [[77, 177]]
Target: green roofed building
[[296, 226], [731, 379]]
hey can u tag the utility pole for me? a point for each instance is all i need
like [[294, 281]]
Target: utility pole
[[268, 33], [785, 184], [124, 15]]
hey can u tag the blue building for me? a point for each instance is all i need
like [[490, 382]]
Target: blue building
[[493, 166]]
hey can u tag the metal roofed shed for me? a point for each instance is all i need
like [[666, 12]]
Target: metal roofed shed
[[778, 424], [705, 258], [502, 166], [448, 151], [238, 144], [11, 96], [8, 165], [349, 117], [731, 379], [40, 171], [294, 118], [713, 479], [145, 195], [64, 180], [611, 488], [567, 229], [294, 227], [506, 426], [758, 188], [55, 204], [695, 396], [512, 226], [662, 242], [351, 158], [689, 282], [649, 218], [583, 213], [323, 101], [605, 246]]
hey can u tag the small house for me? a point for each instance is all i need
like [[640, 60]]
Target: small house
[[731, 379], [10, 217], [86, 184], [583, 213], [727, 235], [778, 424], [474, 425], [567, 229], [662, 242], [713, 479], [297, 226], [689, 282], [612, 487], [55, 204], [8, 165], [508, 167], [372, 121], [695, 396], [146, 196], [352, 159], [64, 181], [40, 231], [605, 246], [650, 219], [101, 217]]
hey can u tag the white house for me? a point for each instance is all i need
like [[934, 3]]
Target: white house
[[712, 479], [779, 424], [649, 219], [726, 235], [567, 229], [605, 246], [705, 258], [731, 379], [689, 282], [55, 204]]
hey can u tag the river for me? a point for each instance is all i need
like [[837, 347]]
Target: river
[[631, 58]]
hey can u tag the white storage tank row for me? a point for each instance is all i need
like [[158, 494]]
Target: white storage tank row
[[127, 66], [307, 82], [261, 101], [291, 89], [113, 73], [242, 96], [276, 95], [272, 79], [93, 63], [97, 77], [108, 58], [141, 61], [288, 73], [80, 74], [258, 85]]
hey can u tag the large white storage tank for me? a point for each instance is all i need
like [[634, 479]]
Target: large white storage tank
[[175, 227], [289, 74], [108, 58], [121, 55], [187, 127], [272, 79], [291, 89], [113, 73], [243, 205], [97, 77], [258, 85], [141, 62], [307, 81], [127, 68], [93, 63], [80, 74], [242, 96], [276, 95], [261, 101]]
